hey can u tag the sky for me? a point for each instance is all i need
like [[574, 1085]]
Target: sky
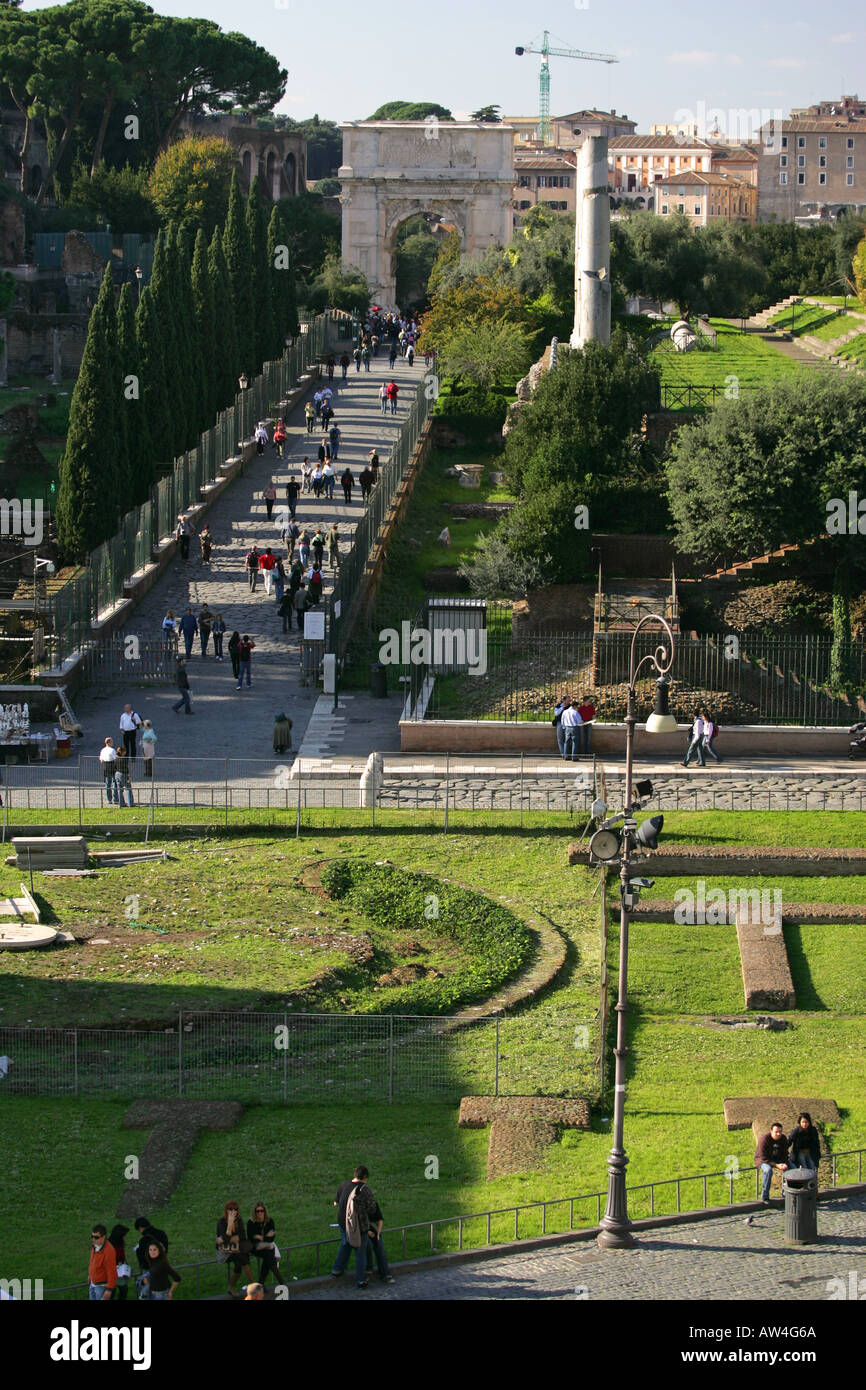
[[676, 57]]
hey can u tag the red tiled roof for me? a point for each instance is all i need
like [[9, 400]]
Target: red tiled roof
[[657, 142]]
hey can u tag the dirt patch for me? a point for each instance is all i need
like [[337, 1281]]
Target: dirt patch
[[518, 1145], [176, 1125], [478, 1111], [559, 608], [407, 975]]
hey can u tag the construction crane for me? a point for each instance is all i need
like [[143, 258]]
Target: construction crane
[[544, 80]]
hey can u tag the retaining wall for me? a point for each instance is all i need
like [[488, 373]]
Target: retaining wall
[[744, 740]]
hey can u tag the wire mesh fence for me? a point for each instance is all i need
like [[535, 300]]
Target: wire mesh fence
[[285, 1058]]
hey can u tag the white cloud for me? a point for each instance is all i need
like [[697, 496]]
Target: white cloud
[[843, 38], [786, 63]]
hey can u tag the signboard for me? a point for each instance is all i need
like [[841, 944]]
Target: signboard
[[314, 627]]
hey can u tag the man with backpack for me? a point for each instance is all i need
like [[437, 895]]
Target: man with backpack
[[355, 1204]]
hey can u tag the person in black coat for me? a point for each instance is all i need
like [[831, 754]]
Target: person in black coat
[[772, 1152], [805, 1143]]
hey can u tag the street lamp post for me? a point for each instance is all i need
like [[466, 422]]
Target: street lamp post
[[243, 383], [615, 1233], [138, 276]]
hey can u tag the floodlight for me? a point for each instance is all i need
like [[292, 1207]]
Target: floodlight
[[604, 845], [648, 833], [661, 721]]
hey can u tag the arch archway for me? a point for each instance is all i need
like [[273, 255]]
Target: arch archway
[[292, 173], [247, 169], [410, 280]]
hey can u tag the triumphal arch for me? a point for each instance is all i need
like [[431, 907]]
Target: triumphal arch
[[393, 170]]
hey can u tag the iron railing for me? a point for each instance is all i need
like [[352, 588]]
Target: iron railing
[[508, 1221]]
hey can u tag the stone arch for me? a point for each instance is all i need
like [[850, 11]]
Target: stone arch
[[291, 167], [397, 215], [270, 170], [248, 163]]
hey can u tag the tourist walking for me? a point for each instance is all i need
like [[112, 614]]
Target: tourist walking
[[393, 393], [335, 435], [586, 710], [261, 1233], [383, 396], [266, 565], [357, 356], [205, 623], [696, 743], [345, 364], [292, 493], [318, 398], [279, 577], [328, 480], [252, 566], [315, 585], [365, 478], [334, 547], [377, 1244], [365, 357], [122, 783], [163, 1279], [318, 547], [318, 479], [102, 1269], [571, 722], [285, 609], [392, 355], [772, 1152], [130, 723], [710, 731], [805, 1143], [183, 686], [116, 1237], [301, 604], [183, 531], [219, 631], [374, 467], [189, 628], [148, 747], [232, 1244], [330, 365], [108, 757], [169, 627], [304, 548], [347, 482], [310, 413], [354, 1202], [269, 493], [235, 654], [205, 540], [306, 474], [245, 658], [558, 709], [279, 437], [261, 437]]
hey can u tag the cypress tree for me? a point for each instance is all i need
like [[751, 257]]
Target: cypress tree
[[204, 326], [180, 262], [165, 310], [225, 341], [154, 390], [282, 279], [140, 470], [88, 494], [238, 258], [261, 280]]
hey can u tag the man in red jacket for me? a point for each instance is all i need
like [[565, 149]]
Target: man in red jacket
[[266, 565], [102, 1271], [393, 390]]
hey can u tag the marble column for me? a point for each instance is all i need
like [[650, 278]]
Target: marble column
[[592, 246]]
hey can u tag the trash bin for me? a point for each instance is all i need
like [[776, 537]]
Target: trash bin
[[378, 680], [800, 1190]]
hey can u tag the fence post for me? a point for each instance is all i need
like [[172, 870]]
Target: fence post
[[75, 1061], [447, 787], [226, 790], [180, 1052], [496, 1083], [80, 818], [298, 814], [286, 1060], [521, 791], [391, 1060]]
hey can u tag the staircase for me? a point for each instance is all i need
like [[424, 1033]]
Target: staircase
[[623, 602], [755, 563], [762, 320]]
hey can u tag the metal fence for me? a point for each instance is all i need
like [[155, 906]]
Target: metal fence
[[437, 792], [286, 1058], [100, 587], [557, 1216], [746, 678], [132, 660]]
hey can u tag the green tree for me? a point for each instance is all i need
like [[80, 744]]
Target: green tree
[[847, 236], [204, 333], [93, 466], [19, 42], [282, 284], [324, 141], [239, 264], [155, 395], [191, 180], [449, 254], [180, 261], [257, 234], [141, 472], [165, 308], [489, 115], [410, 111], [415, 256], [339, 287], [859, 268], [488, 354], [312, 232], [119, 196], [225, 335]]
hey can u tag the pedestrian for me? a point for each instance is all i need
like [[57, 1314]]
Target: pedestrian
[[310, 413], [252, 566], [374, 345], [116, 1238], [377, 1244], [296, 574], [301, 604], [282, 734], [334, 547], [279, 436], [292, 492], [710, 731], [365, 357], [696, 742], [393, 393], [169, 627], [279, 577], [219, 631], [392, 356], [146, 1233], [234, 654], [261, 437], [314, 585], [374, 467], [183, 687], [328, 480], [586, 710], [357, 356], [317, 480], [571, 722], [205, 623], [345, 364], [245, 657], [102, 1269], [285, 609], [335, 435], [122, 784], [772, 1152], [148, 747], [108, 757], [318, 547], [261, 1233], [410, 354], [206, 542], [330, 365], [805, 1143], [232, 1244], [383, 396], [365, 478], [269, 493], [189, 628], [564, 702], [306, 474], [163, 1279], [266, 565], [304, 548], [354, 1202], [130, 723], [183, 531], [347, 482], [327, 415], [318, 398]]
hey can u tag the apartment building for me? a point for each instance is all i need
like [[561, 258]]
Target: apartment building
[[706, 199], [637, 163], [569, 132], [546, 175], [812, 166]]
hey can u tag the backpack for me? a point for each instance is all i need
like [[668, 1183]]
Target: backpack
[[354, 1234]]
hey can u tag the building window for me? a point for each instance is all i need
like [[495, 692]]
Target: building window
[[801, 142], [822, 161], [849, 179], [783, 161], [801, 161], [681, 193], [783, 178], [801, 178], [849, 143], [523, 181], [664, 209], [849, 161], [822, 142], [681, 207], [822, 178], [697, 209], [784, 142], [525, 204]]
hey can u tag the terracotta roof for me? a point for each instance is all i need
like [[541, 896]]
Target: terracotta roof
[[822, 125], [594, 115], [712, 180], [736, 153], [657, 142], [555, 160]]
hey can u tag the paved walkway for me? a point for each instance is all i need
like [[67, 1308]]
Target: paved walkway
[[722, 1260], [228, 722]]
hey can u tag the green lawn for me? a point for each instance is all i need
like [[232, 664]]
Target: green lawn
[[65, 1158], [745, 356]]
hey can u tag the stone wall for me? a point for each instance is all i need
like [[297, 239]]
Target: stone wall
[[31, 343], [744, 741]]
